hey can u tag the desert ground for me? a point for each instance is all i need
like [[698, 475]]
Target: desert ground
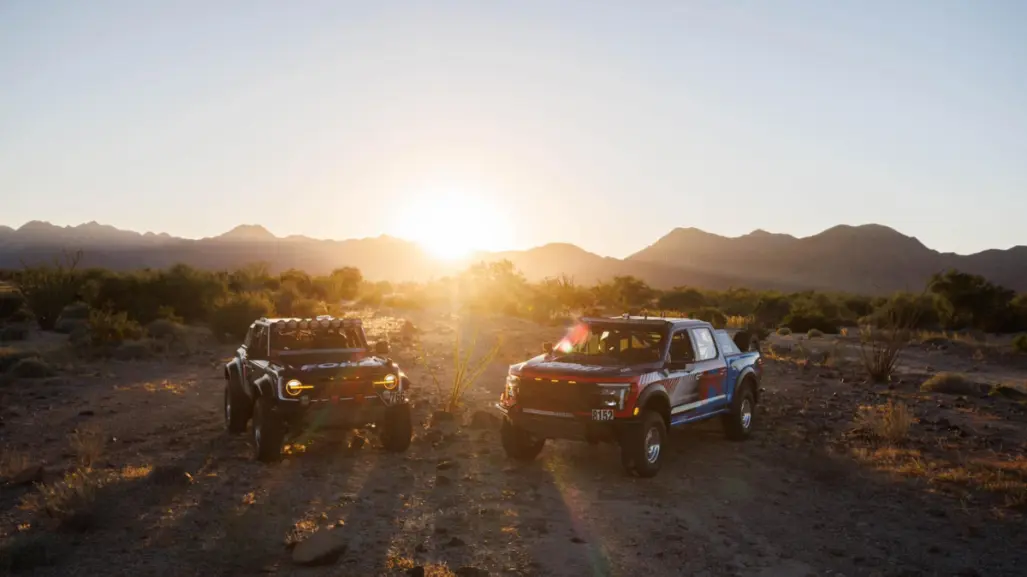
[[841, 477]]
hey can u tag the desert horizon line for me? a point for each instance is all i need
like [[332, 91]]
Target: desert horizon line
[[263, 230]]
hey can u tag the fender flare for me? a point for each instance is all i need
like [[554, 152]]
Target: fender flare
[[651, 392], [264, 386], [404, 382], [747, 372]]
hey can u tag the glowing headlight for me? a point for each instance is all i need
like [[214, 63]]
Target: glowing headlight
[[613, 394], [511, 386], [294, 387], [389, 381]]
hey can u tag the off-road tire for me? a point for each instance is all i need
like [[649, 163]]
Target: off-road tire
[[268, 432], [238, 409], [635, 453], [518, 443], [738, 421], [397, 428]]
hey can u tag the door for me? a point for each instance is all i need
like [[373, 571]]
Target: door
[[257, 355], [710, 372], [682, 385]]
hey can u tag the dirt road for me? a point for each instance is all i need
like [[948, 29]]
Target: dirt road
[[186, 499]]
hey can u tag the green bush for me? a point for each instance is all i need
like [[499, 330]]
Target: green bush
[[110, 329], [1020, 343], [784, 331], [11, 302], [14, 333], [50, 288], [814, 333], [31, 368], [9, 357], [232, 316]]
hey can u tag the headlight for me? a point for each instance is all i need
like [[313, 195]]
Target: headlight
[[511, 386], [390, 381], [613, 394], [294, 387]]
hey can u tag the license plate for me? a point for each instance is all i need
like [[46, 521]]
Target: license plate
[[602, 414]]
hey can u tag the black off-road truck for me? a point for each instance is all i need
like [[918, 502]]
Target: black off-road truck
[[292, 375]]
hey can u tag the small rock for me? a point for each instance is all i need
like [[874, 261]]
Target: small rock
[[321, 548], [578, 540], [467, 571], [456, 542], [445, 465], [86, 413]]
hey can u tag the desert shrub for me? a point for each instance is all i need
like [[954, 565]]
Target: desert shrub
[[1020, 343], [889, 422], [784, 331], [14, 333], [879, 351], [11, 302], [9, 356], [465, 370], [308, 308], [76, 310], [951, 384], [71, 501], [133, 350], [814, 333], [804, 321], [22, 315], [31, 368], [233, 315], [711, 315], [165, 330], [49, 288], [110, 329], [88, 444]]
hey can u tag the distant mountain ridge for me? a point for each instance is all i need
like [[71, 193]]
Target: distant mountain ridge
[[868, 259]]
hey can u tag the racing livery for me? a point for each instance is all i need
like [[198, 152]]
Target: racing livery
[[627, 380], [291, 375]]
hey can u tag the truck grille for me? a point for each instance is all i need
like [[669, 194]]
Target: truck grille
[[327, 387], [559, 396]]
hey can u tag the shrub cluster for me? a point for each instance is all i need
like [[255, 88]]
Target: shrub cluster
[[228, 301]]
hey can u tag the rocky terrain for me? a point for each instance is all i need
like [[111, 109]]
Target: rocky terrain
[[842, 477]]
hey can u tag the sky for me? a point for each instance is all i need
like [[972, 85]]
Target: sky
[[603, 124]]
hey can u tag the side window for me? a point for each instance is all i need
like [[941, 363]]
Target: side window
[[260, 349], [249, 341], [704, 345], [726, 344], [681, 348]]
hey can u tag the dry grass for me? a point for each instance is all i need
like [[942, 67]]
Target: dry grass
[[13, 462], [951, 384], [88, 444], [71, 501], [889, 423], [967, 479]]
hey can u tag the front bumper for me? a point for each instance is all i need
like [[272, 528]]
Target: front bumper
[[569, 426], [335, 414]]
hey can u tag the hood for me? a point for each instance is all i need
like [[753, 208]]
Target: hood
[[543, 366], [317, 365]]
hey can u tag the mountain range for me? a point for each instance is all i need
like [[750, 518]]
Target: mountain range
[[866, 259]]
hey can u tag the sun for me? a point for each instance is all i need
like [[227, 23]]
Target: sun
[[452, 225]]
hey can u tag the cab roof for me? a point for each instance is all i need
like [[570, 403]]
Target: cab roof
[[647, 321], [322, 320]]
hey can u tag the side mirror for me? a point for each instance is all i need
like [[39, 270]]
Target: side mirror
[[381, 348], [547, 347]]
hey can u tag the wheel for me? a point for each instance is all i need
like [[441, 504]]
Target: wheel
[[268, 432], [397, 428], [518, 443], [738, 421], [641, 449], [238, 408]]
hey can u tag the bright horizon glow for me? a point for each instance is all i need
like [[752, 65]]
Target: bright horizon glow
[[451, 225]]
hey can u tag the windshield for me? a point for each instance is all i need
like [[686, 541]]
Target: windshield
[[610, 344], [297, 339]]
